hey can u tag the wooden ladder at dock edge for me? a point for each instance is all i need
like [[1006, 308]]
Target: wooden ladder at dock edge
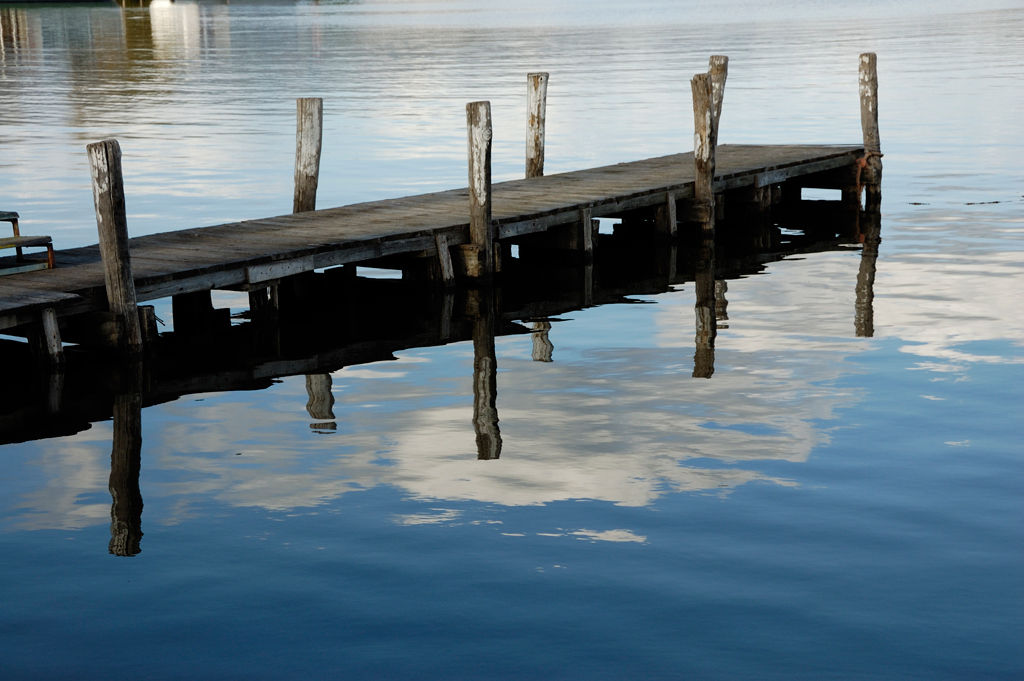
[[95, 290]]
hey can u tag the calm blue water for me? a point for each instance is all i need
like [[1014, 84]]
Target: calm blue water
[[825, 506]]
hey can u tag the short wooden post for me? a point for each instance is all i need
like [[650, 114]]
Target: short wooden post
[[536, 112], [718, 70], [704, 150], [479, 254], [125, 467], [112, 225], [871, 171], [585, 229], [444, 258], [309, 122], [665, 217], [148, 325], [51, 337]]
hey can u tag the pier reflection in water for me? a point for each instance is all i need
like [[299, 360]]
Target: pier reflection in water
[[279, 336]]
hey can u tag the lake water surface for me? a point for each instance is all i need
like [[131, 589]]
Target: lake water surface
[[831, 503]]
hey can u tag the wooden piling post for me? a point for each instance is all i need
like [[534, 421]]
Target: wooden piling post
[[536, 113], [704, 150], [871, 167], [309, 122], [112, 225], [479, 254], [718, 70]]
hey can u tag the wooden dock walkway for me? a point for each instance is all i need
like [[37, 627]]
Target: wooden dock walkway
[[253, 252], [463, 232]]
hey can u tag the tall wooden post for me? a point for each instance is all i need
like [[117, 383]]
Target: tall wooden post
[[125, 466], [704, 150], [479, 256], [871, 171], [112, 225], [704, 137], [309, 123], [718, 70], [536, 112]]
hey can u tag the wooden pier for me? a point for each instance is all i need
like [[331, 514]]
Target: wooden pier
[[90, 296]]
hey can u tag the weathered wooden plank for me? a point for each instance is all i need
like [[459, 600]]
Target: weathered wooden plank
[[220, 256]]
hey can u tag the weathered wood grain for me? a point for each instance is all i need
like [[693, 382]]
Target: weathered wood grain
[[704, 148], [536, 115], [309, 123], [112, 225], [868, 78], [481, 234], [718, 70]]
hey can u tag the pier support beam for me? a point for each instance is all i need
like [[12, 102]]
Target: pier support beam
[[309, 125], [194, 314], [478, 255], [112, 225], [665, 217], [44, 339], [536, 112]]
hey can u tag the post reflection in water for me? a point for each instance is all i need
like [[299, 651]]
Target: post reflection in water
[[397, 315], [321, 402], [542, 345], [485, 375], [704, 285], [871, 223], [125, 466]]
